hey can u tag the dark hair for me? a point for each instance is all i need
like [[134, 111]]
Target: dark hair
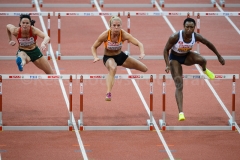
[[189, 20], [28, 17]]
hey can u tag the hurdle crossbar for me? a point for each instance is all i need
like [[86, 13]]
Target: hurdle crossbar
[[79, 5], [231, 121], [38, 77], [152, 5], [81, 14], [118, 76], [32, 4], [163, 5], [31, 13]]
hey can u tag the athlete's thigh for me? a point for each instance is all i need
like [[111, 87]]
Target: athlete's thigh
[[42, 63], [110, 63], [133, 63], [176, 68], [24, 55], [193, 58]]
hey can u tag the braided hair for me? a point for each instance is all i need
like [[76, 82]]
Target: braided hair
[[28, 17]]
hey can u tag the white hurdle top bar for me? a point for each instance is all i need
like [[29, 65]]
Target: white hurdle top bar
[[154, 13], [35, 76], [117, 76], [217, 13], [31, 13], [89, 13], [199, 76]]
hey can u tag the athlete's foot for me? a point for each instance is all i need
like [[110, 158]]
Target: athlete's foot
[[19, 63], [108, 96], [181, 117], [210, 74]]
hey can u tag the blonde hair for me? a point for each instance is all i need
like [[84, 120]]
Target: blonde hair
[[114, 18]]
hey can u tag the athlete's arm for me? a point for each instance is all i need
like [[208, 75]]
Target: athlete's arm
[[171, 41], [133, 40], [97, 43], [210, 46], [11, 30], [42, 35]]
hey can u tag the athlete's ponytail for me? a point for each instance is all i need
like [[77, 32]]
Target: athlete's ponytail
[[28, 17]]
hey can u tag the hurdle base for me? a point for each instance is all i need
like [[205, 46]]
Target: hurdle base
[[199, 128], [232, 124], [148, 127], [164, 127], [162, 124], [70, 125], [58, 55], [35, 128]]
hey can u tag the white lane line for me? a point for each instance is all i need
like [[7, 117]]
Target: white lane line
[[83, 151], [141, 96], [206, 80], [229, 20]]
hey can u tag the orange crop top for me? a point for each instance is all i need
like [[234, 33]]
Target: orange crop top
[[26, 41], [113, 45]]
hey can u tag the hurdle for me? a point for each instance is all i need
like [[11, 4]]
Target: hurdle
[[224, 4], [231, 122], [91, 4], [209, 14], [81, 14], [68, 127], [152, 5], [48, 14], [149, 125], [23, 5], [151, 13], [163, 5]]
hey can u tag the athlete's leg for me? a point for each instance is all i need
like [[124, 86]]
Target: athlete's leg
[[133, 63], [111, 65], [42, 63], [195, 58], [176, 71], [22, 59]]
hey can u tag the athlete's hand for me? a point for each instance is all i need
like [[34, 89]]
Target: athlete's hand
[[221, 60], [43, 47], [12, 43], [142, 55], [96, 59], [167, 69]]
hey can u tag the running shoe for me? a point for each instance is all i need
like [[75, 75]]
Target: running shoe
[[210, 74], [181, 117], [19, 63], [108, 96]]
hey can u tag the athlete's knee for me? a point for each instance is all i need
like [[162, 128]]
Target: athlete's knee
[[178, 83], [112, 68], [145, 69]]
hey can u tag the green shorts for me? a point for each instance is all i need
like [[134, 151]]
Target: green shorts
[[33, 54]]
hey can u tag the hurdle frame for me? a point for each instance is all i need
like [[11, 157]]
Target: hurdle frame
[[163, 5], [231, 121], [69, 127], [23, 5], [48, 14], [209, 14], [149, 125], [81, 14], [102, 5], [91, 4], [152, 13]]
